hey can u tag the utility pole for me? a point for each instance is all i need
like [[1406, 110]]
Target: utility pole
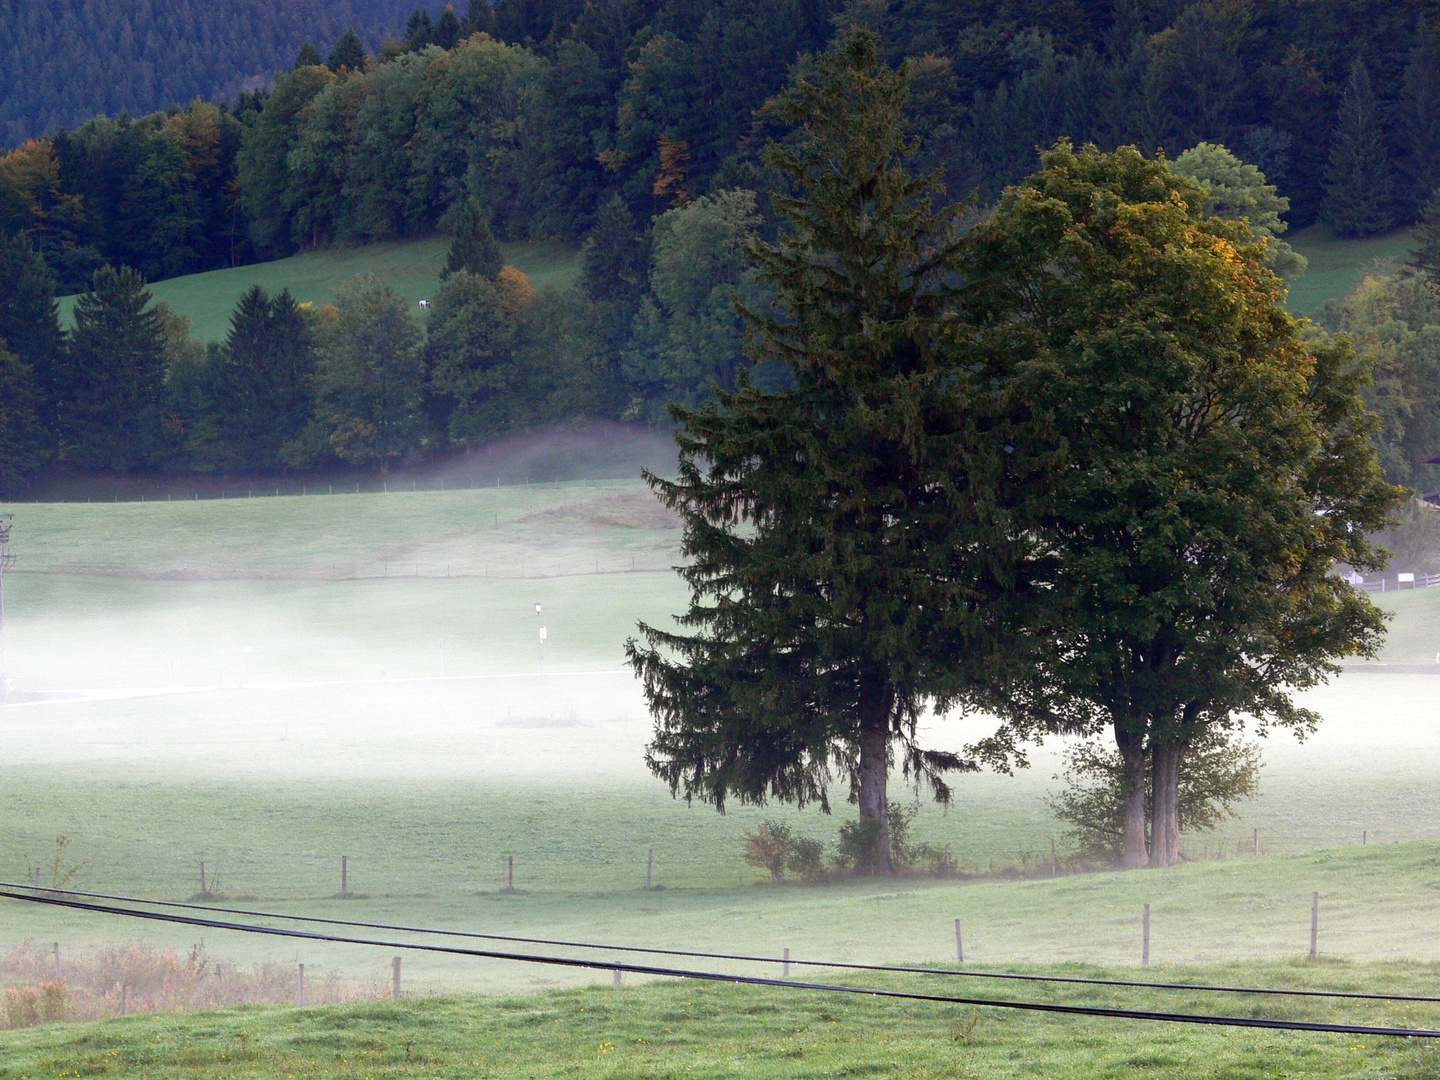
[[6, 520]]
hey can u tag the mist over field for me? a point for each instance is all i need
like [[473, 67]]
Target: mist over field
[[268, 684]]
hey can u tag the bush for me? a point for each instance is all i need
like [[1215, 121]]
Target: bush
[[859, 847], [777, 848], [768, 848], [807, 858]]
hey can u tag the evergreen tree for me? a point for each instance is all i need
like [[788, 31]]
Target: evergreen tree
[[117, 354], [447, 28], [473, 247], [418, 30], [1359, 186], [349, 52], [24, 442], [614, 268], [1427, 256], [30, 321], [479, 16], [827, 524], [1420, 117], [308, 56], [263, 378]]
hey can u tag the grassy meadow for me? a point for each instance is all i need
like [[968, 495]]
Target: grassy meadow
[[1338, 265], [267, 685], [412, 267], [676, 1029]]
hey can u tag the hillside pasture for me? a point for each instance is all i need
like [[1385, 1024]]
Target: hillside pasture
[[411, 267], [1339, 264]]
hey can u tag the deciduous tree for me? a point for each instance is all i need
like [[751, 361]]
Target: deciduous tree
[[1211, 469]]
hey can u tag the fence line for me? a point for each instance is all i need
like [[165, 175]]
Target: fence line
[[384, 486], [381, 570]]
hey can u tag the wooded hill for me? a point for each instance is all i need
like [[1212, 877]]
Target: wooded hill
[[562, 103], [636, 126], [66, 60]]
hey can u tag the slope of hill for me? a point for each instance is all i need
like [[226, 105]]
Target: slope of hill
[[411, 266], [1337, 264], [66, 60]]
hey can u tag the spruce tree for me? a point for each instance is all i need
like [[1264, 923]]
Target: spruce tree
[[1426, 257], [263, 378], [447, 28], [1419, 108], [479, 16], [419, 31], [30, 320], [1359, 187], [117, 352], [24, 442], [308, 56], [829, 526], [473, 245], [615, 270], [349, 52]]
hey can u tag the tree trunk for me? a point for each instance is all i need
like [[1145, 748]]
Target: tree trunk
[[1165, 802], [1132, 755], [874, 776]]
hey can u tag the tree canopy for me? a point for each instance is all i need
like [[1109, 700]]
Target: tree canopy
[[1213, 467]]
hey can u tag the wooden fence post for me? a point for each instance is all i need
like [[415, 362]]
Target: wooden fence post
[[649, 867], [617, 976], [1054, 862], [57, 959], [785, 968], [1257, 841], [511, 885], [344, 875], [1145, 939], [395, 977], [959, 944], [203, 890], [300, 987], [1314, 926]]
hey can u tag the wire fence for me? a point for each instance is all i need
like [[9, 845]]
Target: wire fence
[[130, 908], [161, 492], [382, 569]]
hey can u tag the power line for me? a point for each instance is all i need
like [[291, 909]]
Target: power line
[[742, 957], [747, 980]]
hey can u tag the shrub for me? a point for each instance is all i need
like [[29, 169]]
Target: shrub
[[769, 847], [859, 847], [777, 848]]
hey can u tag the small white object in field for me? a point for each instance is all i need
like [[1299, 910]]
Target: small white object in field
[[424, 303]]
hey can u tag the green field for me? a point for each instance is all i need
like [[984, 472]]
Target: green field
[[267, 685], [680, 1029], [411, 267], [1337, 265]]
